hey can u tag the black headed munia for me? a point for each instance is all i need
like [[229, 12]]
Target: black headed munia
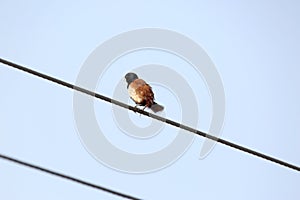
[[141, 93]]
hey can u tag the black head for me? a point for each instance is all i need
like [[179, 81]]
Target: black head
[[130, 77]]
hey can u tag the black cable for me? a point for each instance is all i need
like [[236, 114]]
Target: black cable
[[48, 171], [135, 109]]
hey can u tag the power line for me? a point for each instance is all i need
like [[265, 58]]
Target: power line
[[135, 109], [70, 178]]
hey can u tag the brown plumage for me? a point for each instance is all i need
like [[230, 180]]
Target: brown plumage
[[141, 93]]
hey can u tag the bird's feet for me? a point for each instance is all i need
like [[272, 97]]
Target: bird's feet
[[135, 108]]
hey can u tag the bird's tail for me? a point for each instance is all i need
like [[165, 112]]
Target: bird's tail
[[156, 107]]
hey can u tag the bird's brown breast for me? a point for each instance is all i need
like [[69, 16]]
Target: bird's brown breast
[[141, 92]]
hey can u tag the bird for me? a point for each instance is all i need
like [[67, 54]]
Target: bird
[[141, 92]]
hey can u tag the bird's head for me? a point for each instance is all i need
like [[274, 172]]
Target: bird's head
[[130, 77]]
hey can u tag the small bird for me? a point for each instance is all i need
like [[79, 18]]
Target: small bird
[[141, 93]]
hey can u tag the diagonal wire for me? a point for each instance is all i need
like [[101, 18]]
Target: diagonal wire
[[70, 178], [168, 121]]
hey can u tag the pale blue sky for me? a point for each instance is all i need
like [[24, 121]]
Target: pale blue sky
[[255, 46]]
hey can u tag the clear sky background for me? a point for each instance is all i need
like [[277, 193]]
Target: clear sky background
[[255, 46]]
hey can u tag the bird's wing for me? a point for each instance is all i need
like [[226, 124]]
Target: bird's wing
[[145, 93]]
